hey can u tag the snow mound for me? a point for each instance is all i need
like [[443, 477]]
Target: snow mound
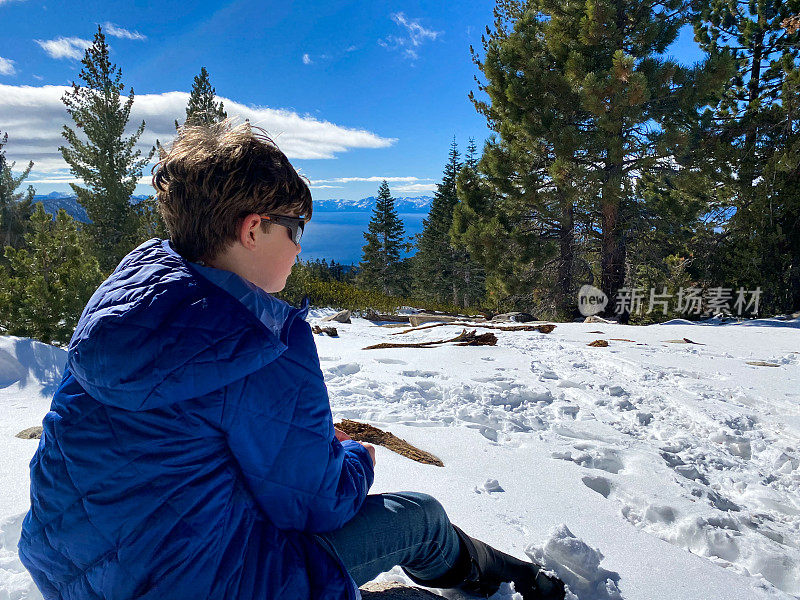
[[11, 371], [23, 361], [578, 565], [678, 322]]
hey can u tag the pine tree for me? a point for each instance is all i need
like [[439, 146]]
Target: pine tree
[[202, 109], [470, 276], [643, 107], [381, 267], [477, 228], [582, 103], [434, 264], [754, 140], [15, 207], [671, 238], [533, 163], [48, 283], [107, 162], [151, 224]]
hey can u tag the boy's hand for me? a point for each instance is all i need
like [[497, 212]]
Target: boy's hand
[[342, 436], [371, 449]]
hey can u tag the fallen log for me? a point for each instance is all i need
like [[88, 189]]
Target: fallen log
[[543, 328], [465, 338], [683, 341], [371, 315], [395, 591], [364, 432]]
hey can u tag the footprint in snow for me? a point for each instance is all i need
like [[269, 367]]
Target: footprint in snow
[[599, 484], [569, 410], [617, 390], [604, 459], [390, 361], [566, 383], [345, 369], [416, 373], [492, 379]]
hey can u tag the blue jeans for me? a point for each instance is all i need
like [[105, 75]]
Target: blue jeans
[[402, 528]]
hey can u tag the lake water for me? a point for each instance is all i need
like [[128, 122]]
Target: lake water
[[339, 235]]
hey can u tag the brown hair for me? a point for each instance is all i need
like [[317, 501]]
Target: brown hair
[[215, 175]]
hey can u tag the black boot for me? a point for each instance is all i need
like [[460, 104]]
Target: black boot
[[481, 569]]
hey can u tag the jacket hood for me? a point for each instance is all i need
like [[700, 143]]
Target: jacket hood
[[161, 330]]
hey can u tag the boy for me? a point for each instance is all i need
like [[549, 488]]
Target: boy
[[190, 451]]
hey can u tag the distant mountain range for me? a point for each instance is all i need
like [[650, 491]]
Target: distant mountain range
[[56, 200], [417, 204]]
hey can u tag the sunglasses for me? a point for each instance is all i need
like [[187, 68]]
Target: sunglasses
[[295, 225]]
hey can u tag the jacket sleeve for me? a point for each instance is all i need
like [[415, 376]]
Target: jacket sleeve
[[280, 433]]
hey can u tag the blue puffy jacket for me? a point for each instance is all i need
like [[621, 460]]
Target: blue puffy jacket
[[189, 452]]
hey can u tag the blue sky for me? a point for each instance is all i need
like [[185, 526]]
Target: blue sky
[[353, 92]]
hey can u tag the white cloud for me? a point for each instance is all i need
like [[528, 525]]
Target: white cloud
[[416, 32], [415, 187], [122, 33], [374, 179], [326, 187], [62, 180], [415, 36], [33, 117], [308, 59], [9, 1], [7, 66], [63, 47]]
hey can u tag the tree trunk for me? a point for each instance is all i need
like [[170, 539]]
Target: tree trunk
[[566, 303], [747, 175], [612, 260]]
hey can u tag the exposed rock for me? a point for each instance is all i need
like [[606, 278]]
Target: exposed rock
[[340, 317], [761, 363], [596, 319], [331, 331], [395, 591], [421, 318], [31, 433], [515, 317], [598, 344], [363, 432]]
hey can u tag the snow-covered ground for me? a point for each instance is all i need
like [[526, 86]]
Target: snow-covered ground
[[646, 469]]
